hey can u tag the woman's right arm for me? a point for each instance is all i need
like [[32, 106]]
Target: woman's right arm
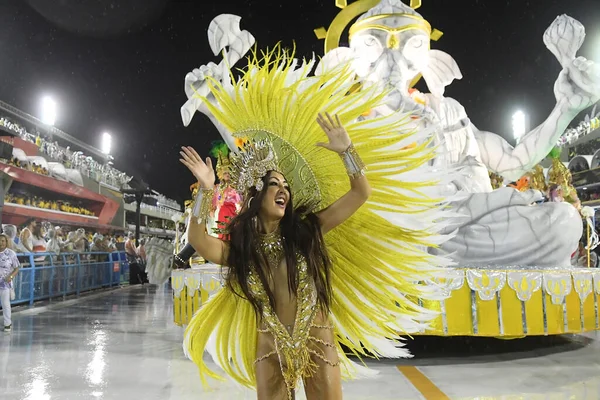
[[209, 247]]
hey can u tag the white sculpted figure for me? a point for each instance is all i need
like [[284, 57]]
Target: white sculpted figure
[[390, 47]]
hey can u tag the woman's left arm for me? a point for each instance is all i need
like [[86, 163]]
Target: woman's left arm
[[360, 190]]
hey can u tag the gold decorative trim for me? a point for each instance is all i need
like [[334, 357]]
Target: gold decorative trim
[[349, 13], [369, 23]]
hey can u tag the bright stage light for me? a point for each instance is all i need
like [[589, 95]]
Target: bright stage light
[[106, 143], [48, 111], [519, 124]]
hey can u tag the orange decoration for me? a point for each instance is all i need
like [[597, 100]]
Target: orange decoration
[[522, 184], [240, 142]]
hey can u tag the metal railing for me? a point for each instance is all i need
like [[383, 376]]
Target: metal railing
[[46, 275]]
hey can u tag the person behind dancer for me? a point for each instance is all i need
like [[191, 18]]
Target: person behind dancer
[[135, 272], [9, 268], [282, 234], [130, 249], [141, 251], [226, 200]]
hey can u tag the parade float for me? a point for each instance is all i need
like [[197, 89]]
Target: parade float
[[504, 253]]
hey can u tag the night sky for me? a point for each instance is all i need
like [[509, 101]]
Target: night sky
[[119, 65]]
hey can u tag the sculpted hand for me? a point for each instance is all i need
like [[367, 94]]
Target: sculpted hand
[[203, 171], [195, 79], [339, 141], [578, 85]]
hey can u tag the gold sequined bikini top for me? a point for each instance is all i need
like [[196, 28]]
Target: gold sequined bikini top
[[292, 349]]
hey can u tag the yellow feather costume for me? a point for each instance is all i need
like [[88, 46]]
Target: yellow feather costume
[[379, 265]]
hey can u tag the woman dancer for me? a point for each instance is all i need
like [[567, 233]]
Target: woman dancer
[[275, 254], [310, 267]]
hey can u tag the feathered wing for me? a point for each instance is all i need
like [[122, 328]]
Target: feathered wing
[[225, 327], [380, 255]]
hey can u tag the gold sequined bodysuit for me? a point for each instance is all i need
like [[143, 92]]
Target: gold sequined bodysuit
[[296, 336]]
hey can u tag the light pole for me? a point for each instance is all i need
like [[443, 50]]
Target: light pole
[[48, 111], [106, 143], [519, 125]]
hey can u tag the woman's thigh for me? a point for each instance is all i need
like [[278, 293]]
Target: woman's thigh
[[326, 382], [269, 380]]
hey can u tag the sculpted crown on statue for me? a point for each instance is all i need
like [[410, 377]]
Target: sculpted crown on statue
[[390, 48]]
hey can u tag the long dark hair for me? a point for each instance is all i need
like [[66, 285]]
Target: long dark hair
[[301, 232]]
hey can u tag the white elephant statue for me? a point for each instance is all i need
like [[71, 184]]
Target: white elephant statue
[[390, 48]]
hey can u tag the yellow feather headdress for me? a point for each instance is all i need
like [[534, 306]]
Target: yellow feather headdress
[[264, 107]]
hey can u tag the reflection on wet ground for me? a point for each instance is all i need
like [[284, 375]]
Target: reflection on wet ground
[[125, 345]]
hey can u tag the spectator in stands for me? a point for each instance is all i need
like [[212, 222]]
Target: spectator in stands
[[96, 245], [88, 240], [53, 245], [39, 243], [26, 237], [77, 238], [110, 244], [136, 272], [60, 236], [33, 238], [100, 245], [141, 251], [130, 250], [14, 244], [9, 267]]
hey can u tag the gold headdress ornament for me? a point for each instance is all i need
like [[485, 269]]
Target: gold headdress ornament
[[333, 35], [251, 163]]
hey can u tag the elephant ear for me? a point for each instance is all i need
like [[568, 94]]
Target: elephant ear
[[441, 71]]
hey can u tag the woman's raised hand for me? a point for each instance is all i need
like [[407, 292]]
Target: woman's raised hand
[[202, 170], [339, 140]]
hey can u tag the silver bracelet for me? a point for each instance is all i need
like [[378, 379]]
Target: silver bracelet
[[355, 167]]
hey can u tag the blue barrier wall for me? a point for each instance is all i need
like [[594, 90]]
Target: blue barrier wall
[[46, 275]]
